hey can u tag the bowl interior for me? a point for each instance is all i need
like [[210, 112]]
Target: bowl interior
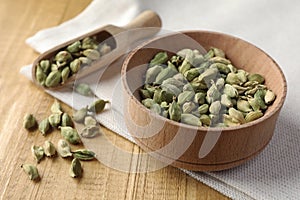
[[242, 54]]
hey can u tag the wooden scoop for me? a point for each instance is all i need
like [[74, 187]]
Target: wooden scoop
[[119, 39]]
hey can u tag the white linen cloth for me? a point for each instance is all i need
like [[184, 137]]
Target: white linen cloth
[[273, 26]]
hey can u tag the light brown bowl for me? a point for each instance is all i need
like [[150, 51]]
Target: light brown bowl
[[200, 148]]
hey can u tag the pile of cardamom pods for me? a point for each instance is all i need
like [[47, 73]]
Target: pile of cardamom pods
[[62, 120], [68, 61], [204, 89]]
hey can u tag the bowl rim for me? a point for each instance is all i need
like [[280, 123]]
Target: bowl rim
[[125, 86]]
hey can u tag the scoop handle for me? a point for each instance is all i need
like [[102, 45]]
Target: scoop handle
[[146, 24]]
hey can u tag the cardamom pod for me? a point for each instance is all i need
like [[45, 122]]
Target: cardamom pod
[[65, 74], [209, 54], [218, 52], [230, 91], [49, 149], [213, 94], [54, 67], [45, 66], [55, 119], [165, 73], [254, 103], [104, 49], [56, 107], [66, 120], [89, 43], [74, 47], [84, 154], [242, 75], [97, 106], [37, 152], [156, 108], [185, 96], [145, 93], [63, 149], [269, 97], [90, 121], [75, 169], [215, 107], [208, 75], [31, 171], [259, 96], [159, 58], [90, 131], [199, 98], [233, 78], [75, 65], [91, 54], [220, 83], [173, 81], [53, 79], [29, 121], [44, 126], [85, 60], [79, 115], [192, 73], [251, 116], [171, 89], [205, 120], [175, 111], [219, 60], [62, 58], [230, 121], [70, 134], [226, 101], [40, 76], [152, 73], [203, 108], [243, 105], [190, 119], [84, 89], [238, 115], [148, 102], [188, 107], [256, 77]]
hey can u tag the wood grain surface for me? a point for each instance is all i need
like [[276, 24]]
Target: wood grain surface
[[20, 19]]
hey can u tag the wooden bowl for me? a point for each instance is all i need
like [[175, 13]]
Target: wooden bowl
[[200, 148]]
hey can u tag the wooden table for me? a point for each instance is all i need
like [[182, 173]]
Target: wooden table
[[20, 19]]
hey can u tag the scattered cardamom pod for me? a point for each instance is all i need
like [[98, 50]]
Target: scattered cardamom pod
[[83, 154], [55, 119], [97, 106], [84, 89], [65, 73], [44, 126], [75, 169], [79, 115], [90, 131], [66, 120], [269, 97], [49, 149], [37, 152], [70, 134], [63, 149], [75, 65], [251, 116], [31, 171], [29, 122]]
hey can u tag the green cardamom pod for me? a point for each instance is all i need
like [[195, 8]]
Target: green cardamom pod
[[185, 53], [233, 78], [259, 96], [89, 43], [159, 58], [90, 131], [84, 154], [230, 121], [49, 149], [190, 119], [165, 73], [62, 58], [269, 97], [53, 79], [84, 89], [70, 134], [185, 66], [199, 98], [175, 111], [104, 49], [205, 120], [56, 107], [65, 73], [63, 149], [188, 107], [213, 94], [55, 119], [208, 75], [79, 115], [215, 107], [220, 82], [241, 89], [156, 108], [152, 73], [219, 60], [187, 87], [90, 121], [45, 66], [97, 106], [254, 103], [148, 102], [165, 105], [242, 75], [145, 93], [37, 152], [192, 73], [185, 96], [218, 52], [209, 54], [29, 121], [75, 65], [91, 54], [230, 91], [226, 101], [40, 76], [75, 169], [85, 60], [256, 77], [66, 120], [171, 89], [203, 108], [251, 116], [232, 68], [31, 171], [74, 47], [54, 67], [173, 81], [243, 105], [44, 126], [238, 115]]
